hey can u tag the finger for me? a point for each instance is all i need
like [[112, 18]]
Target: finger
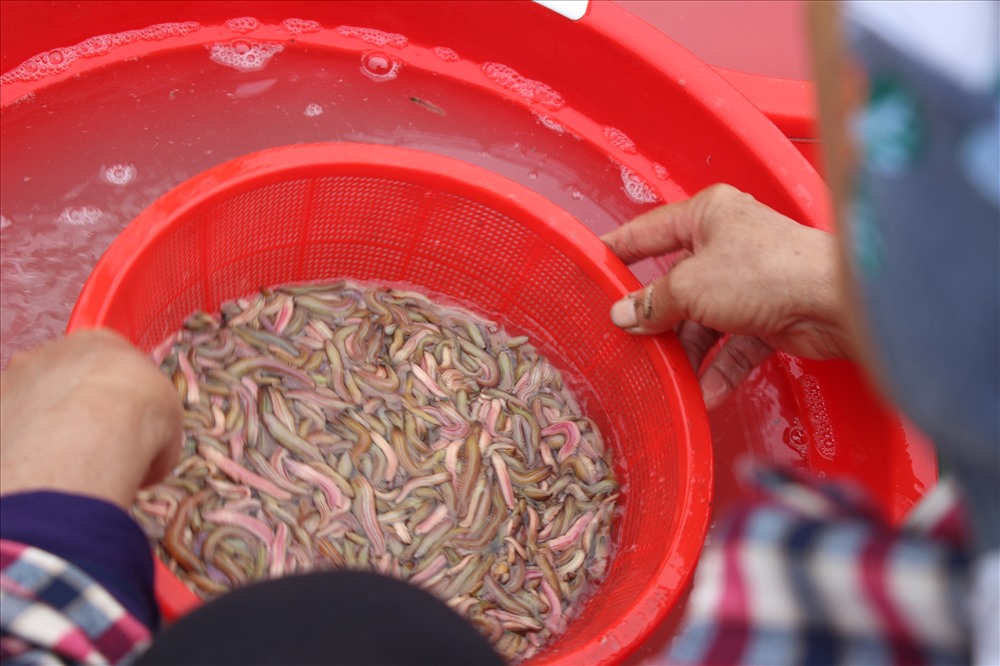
[[653, 233], [735, 360], [657, 308], [696, 341]]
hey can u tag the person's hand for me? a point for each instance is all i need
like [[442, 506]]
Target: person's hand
[[741, 269], [86, 414]]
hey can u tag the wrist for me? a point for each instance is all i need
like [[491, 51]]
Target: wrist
[[818, 296], [99, 459], [26, 479]]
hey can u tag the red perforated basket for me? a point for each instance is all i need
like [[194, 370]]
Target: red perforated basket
[[389, 215]]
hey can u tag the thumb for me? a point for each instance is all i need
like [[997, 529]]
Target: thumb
[[737, 358], [657, 308]]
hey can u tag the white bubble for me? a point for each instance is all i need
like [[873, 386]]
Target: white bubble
[[298, 26], [556, 127], [313, 110], [119, 174], [374, 37], [164, 30], [82, 216], [244, 55], [57, 60], [243, 25], [41, 65], [619, 140], [379, 66], [530, 89], [637, 189], [445, 53], [660, 171], [4, 222], [23, 99], [797, 437], [576, 194], [819, 418]]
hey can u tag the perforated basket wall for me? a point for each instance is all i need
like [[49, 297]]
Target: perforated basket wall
[[459, 238]]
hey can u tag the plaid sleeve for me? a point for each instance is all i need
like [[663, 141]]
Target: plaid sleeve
[[809, 573], [53, 612]]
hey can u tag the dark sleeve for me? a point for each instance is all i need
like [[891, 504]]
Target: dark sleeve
[[95, 535]]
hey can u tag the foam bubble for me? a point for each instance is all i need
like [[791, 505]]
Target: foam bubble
[[530, 89], [313, 110], [379, 66], [445, 53], [619, 140], [575, 193], [119, 174], [57, 60], [81, 216], [243, 25], [40, 66], [797, 437], [298, 26], [95, 46], [556, 127], [374, 37], [23, 99], [244, 55], [4, 222], [164, 30], [660, 171], [637, 189], [819, 418]]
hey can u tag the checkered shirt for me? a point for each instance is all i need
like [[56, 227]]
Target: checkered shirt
[[53, 612], [810, 573]]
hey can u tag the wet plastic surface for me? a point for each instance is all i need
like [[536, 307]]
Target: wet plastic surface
[[167, 109], [758, 46]]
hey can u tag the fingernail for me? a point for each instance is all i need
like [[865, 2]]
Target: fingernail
[[713, 389], [623, 313]]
